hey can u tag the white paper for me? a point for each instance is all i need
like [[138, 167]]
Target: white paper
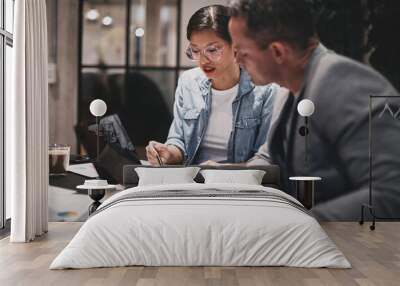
[[85, 169]]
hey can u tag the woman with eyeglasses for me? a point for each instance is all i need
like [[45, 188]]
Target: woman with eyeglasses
[[219, 115]]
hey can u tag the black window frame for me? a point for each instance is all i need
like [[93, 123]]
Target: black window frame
[[127, 67], [6, 39]]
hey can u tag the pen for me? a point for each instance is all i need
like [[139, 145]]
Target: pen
[[160, 162]]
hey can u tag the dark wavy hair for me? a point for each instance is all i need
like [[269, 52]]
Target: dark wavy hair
[[273, 20], [213, 17]]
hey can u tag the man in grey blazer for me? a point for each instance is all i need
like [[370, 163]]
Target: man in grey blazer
[[276, 42]]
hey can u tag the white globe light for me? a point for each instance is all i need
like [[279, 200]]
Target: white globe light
[[305, 107], [98, 107], [139, 32], [107, 21], [92, 15]]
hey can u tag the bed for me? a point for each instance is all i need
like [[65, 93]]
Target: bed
[[201, 224]]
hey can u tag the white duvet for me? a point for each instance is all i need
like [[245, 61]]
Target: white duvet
[[200, 231]]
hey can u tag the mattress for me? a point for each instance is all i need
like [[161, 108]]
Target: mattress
[[201, 225]]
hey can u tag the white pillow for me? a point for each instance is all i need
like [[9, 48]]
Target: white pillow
[[248, 177], [165, 176]]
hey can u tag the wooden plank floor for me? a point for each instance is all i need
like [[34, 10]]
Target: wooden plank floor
[[375, 257]]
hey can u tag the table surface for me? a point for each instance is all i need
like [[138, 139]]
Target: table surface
[[71, 204], [305, 178], [87, 187]]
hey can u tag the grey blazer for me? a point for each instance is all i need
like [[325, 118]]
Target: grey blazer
[[338, 149]]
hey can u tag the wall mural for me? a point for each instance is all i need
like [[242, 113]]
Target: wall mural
[[358, 29]]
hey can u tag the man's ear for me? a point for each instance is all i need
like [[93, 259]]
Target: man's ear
[[279, 52]]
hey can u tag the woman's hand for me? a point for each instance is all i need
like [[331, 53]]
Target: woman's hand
[[168, 154], [154, 149]]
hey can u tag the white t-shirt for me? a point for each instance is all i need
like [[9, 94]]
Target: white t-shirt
[[215, 142]]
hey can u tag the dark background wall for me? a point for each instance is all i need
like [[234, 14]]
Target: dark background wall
[[365, 30]]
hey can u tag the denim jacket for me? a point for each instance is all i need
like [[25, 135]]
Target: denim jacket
[[251, 109]]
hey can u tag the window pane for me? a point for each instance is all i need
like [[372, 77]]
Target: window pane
[[147, 108], [8, 87], [153, 32], [104, 32], [1, 16], [2, 203], [9, 15]]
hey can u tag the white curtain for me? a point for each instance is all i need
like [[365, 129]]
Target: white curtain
[[27, 124]]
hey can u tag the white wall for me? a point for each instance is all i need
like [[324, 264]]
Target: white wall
[[188, 8]]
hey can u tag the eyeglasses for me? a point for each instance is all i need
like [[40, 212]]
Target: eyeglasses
[[213, 53]]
